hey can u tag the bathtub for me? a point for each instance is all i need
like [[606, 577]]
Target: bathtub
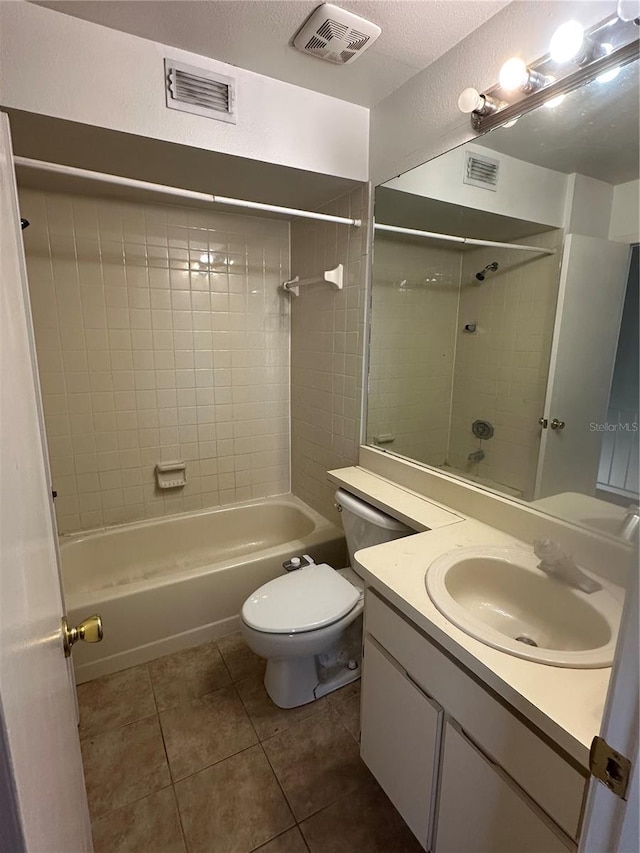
[[178, 581]]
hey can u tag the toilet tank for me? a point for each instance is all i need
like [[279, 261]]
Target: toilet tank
[[364, 525]]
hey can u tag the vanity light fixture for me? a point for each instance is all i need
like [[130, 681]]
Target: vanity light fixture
[[554, 102], [568, 42], [516, 77], [608, 76], [471, 101], [577, 56]]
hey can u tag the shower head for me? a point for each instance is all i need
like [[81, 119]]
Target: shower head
[[492, 267]]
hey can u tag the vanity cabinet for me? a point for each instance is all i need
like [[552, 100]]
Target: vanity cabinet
[[400, 740], [494, 766], [482, 811]]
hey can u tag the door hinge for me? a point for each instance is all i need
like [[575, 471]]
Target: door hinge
[[609, 767]]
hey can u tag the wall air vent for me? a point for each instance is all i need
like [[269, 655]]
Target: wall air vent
[[480, 171], [195, 90], [335, 35]]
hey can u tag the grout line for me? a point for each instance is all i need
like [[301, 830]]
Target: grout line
[[131, 803], [275, 776], [183, 833]]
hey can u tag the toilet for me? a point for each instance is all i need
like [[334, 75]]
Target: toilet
[[308, 622]]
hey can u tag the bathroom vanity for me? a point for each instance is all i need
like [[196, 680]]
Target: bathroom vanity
[[478, 749]]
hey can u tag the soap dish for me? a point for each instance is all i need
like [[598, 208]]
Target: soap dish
[[171, 475]]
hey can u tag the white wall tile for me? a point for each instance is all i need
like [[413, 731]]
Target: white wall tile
[[135, 339]]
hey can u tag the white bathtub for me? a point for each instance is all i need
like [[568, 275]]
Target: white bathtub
[[175, 582]]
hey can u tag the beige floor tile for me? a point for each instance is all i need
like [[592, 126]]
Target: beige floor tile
[[234, 806], [347, 692], [363, 821], [187, 674], [267, 718], [205, 730], [317, 762], [124, 765], [349, 713], [290, 842], [150, 825], [239, 658], [115, 700]]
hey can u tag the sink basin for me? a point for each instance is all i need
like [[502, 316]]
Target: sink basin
[[500, 597]]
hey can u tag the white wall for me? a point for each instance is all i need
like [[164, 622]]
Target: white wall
[[421, 119], [61, 66], [625, 213], [524, 191], [588, 206]]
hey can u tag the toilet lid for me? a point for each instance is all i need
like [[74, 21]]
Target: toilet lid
[[303, 600]]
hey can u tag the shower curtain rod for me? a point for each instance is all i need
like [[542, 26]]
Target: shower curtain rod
[[469, 241], [59, 169]]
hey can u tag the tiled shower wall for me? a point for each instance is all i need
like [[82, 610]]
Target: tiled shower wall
[[327, 345], [161, 335], [413, 336], [501, 371], [429, 380]]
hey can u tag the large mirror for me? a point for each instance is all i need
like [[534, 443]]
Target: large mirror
[[512, 361]]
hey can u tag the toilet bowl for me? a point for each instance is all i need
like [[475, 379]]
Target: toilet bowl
[[308, 623]]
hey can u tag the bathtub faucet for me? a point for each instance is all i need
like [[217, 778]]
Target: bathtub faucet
[[476, 456]]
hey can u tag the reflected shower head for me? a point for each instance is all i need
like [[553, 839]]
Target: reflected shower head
[[489, 267]]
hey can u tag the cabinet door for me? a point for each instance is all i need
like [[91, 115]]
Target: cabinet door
[[482, 811], [400, 739]]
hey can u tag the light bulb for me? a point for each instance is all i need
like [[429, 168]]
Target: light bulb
[[554, 102], [628, 10], [566, 42], [608, 76], [514, 74], [470, 100]]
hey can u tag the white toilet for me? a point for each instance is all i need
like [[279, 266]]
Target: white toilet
[[308, 623]]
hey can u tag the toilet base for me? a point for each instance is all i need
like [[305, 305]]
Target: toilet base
[[294, 681]]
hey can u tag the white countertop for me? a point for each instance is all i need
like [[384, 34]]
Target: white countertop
[[566, 704]]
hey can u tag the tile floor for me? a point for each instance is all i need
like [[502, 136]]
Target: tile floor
[[187, 754]]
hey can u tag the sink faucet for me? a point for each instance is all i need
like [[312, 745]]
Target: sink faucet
[[631, 522], [557, 563]]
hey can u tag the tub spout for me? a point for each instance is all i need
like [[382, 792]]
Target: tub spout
[[476, 456]]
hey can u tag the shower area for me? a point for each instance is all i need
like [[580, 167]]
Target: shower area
[[179, 402], [460, 346]]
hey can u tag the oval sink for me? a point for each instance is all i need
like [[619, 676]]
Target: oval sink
[[500, 597]]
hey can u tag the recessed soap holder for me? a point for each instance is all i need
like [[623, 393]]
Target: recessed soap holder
[[171, 475]]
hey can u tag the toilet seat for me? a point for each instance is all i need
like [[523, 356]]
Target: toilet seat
[[304, 600]]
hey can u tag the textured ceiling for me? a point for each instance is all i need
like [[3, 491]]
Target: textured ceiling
[[256, 35]]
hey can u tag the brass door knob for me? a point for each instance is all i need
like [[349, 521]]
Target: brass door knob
[[89, 630], [556, 424]]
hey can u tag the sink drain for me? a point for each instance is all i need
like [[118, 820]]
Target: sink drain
[[526, 640]]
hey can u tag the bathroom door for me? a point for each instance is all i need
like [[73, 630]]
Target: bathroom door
[[593, 281], [43, 804]]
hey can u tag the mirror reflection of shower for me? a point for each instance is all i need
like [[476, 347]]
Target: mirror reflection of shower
[[492, 267]]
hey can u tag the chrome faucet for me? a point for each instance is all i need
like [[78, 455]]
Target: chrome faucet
[[557, 563], [630, 524], [476, 456]]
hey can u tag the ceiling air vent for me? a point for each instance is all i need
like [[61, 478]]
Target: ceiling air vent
[[481, 171], [195, 90], [335, 35]]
